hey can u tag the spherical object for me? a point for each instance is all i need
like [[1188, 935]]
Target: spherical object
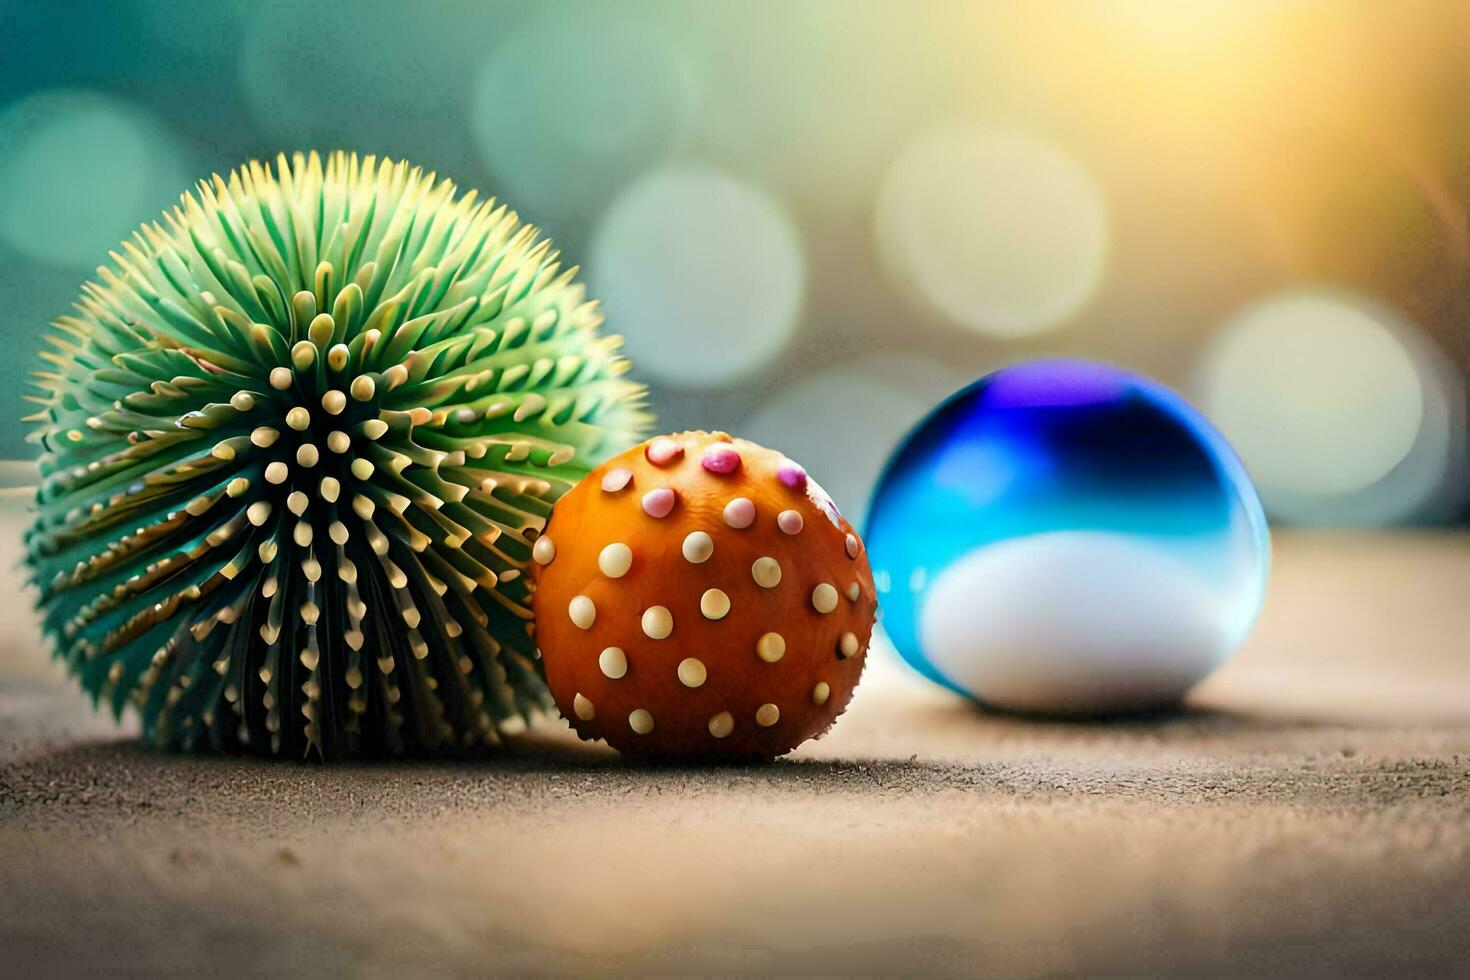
[[789, 521], [771, 647], [692, 673], [614, 481], [766, 571], [714, 604], [613, 662], [716, 620], [658, 623], [583, 709], [720, 459], [663, 451], [698, 547], [824, 598], [740, 513], [1066, 537], [640, 720], [199, 556], [659, 503], [615, 560], [583, 612]]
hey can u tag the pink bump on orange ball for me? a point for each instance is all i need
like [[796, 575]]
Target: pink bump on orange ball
[[701, 596]]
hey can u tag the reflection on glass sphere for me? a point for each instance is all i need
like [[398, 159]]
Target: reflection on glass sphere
[[1066, 537]]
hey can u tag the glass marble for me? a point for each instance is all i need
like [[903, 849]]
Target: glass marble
[[1066, 537]]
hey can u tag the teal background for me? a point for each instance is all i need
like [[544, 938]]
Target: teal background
[[1241, 149]]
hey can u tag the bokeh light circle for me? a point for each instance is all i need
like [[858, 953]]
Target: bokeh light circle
[[1335, 403], [997, 233], [79, 171], [571, 106], [841, 423], [702, 273]]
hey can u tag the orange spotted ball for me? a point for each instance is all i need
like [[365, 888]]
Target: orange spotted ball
[[700, 596]]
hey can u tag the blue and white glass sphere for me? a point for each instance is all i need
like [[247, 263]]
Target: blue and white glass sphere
[[1065, 537]]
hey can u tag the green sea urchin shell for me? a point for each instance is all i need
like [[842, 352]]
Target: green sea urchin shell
[[295, 449]]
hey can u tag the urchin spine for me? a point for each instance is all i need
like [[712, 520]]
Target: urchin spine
[[296, 448]]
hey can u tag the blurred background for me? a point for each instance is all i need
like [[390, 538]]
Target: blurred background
[[814, 220]]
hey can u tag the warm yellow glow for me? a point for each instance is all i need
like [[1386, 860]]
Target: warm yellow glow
[[1317, 392], [997, 233]]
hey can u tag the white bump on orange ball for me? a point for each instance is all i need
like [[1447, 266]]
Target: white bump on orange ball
[[663, 520], [663, 451], [583, 612], [766, 571], [771, 647], [698, 547], [659, 503], [616, 480], [714, 604], [658, 622], [851, 543], [740, 513], [692, 672], [615, 560], [824, 598], [583, 708], [613, 662]]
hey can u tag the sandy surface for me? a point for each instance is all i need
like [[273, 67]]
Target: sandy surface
[[1309, 812]]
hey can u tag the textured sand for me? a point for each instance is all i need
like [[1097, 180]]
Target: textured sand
[[1310, 812]]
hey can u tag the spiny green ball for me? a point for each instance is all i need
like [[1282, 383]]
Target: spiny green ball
[[296, 447]]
